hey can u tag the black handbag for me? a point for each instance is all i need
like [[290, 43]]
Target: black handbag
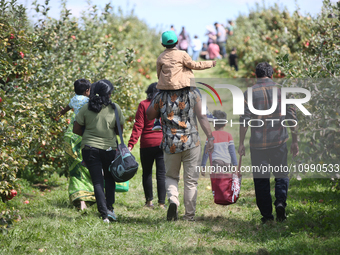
[[124, 166]]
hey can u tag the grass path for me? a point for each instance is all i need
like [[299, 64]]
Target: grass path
[[50, 225]]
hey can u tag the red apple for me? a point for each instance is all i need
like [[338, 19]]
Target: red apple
[[13, 194], [22, 54], [12, 36], [321, 201], [0, 99], [27, 202], [73, 37], [68, 121]]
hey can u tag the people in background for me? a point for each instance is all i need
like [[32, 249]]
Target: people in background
[[184, 40], [211, 33], [204, 51], [196, 47], [221, 38], [233, 59], [214, 51], [230, 29]]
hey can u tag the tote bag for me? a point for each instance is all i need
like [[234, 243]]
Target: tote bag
[[226, 187]]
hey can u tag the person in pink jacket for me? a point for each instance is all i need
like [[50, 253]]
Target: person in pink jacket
[[150, 151]]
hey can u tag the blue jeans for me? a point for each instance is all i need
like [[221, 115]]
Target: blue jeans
[[195, 54], [98, 161], [223, 51], [273, 157]]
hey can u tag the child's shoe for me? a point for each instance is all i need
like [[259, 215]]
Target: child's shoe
[[83, 163], [157, 125], [210, 116]]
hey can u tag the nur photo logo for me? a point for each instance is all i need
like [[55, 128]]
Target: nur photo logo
[[204, 96], [238, 104]]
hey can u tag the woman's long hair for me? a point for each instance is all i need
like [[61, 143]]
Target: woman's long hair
[[100, 95]]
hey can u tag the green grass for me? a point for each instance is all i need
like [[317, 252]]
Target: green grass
[[50, 225]]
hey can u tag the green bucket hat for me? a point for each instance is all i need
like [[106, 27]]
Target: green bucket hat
[[169, 37]]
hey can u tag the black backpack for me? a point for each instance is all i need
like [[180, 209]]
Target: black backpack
[[124, 166]]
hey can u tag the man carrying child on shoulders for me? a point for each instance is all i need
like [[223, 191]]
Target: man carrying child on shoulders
[[178, 105]]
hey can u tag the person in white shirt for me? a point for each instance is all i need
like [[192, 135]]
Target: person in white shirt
[[196, 47]]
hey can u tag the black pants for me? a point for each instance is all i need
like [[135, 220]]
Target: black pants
[[98, 161], [234, 65], [276, 157], [147, 157]]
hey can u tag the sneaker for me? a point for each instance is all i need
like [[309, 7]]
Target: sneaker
[[186, 218], [210, 116], [157, 126], [106, 220], [172, 212], [280, 213], [111, 215]]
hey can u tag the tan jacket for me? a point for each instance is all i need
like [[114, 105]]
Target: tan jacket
[[174, 69]]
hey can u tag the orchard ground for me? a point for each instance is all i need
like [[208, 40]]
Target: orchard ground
[[49, 224]]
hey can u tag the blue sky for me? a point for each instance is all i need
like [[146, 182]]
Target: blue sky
[[195, 15]]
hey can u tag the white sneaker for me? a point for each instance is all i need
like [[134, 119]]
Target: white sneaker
[[157, 128], [157, 125], [111, 215]]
